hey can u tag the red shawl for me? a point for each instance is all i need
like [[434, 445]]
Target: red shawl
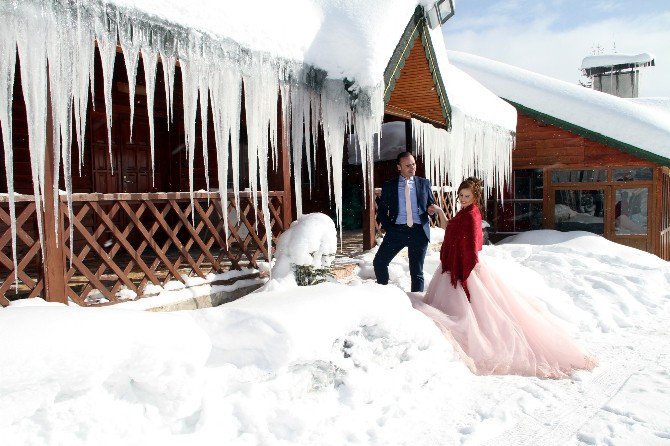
[[462, 242]]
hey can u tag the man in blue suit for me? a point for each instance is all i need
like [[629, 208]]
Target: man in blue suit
[[403, 210]]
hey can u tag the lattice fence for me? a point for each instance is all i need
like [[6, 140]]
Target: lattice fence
[[121, 244], [29, 252]]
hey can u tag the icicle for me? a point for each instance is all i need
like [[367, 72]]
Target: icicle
[[7, 66], [83, 79], [203, 89], [298, 100], [168, 63], [307, 136], [31, 42], [189, 71], [368, 122], [131, 48], [471, 148], [149, 60], [261, 89], [315, 107], [226, 102], [335, 114], [62, 40], [105, 31]]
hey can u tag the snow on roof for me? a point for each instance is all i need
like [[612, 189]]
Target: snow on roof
[[346, 38], [609, 60], [620, 119], [656, 104], [468, 95]]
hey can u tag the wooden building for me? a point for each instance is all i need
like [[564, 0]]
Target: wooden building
[[584, 161], [133, 228]]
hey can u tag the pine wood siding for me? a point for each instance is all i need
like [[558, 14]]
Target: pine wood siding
[[414, 92], [540, 145], [544, 145]]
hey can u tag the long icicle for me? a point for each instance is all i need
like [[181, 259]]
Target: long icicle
[[168, 63], [149, 60], [7, 66], [105, 31], [189, 70], [31, 42], [131, 49]]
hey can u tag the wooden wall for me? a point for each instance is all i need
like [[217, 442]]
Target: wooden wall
[[414, 91], [544, 145], [540, 145]]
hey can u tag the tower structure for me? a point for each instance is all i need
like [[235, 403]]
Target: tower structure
[[616, 74]]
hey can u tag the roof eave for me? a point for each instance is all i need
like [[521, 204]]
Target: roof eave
[[592, 135]]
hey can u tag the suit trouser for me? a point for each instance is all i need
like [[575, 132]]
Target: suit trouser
[[397, 238]]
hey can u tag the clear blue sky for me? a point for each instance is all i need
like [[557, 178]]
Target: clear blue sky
[[552, 36]]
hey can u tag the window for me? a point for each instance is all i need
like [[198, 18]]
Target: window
[[440, 13], [522, 207], [578, 176], [393, 141], [630, 211], [580, 210], [640, 174]]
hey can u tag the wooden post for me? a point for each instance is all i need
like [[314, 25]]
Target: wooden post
[[369, 219], [54, 253]]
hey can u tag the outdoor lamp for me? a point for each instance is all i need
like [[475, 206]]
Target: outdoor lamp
[[440, 13]]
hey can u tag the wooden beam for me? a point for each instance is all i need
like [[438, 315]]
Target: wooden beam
[[369, 222], [54, 253]]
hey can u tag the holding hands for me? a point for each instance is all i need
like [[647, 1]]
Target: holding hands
[[442, 217]]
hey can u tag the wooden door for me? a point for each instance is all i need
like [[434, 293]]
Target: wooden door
[[135, 156]]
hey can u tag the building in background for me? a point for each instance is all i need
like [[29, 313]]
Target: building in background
[[584, 160], [616, 74]]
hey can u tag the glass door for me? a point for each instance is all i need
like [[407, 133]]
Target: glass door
[[631, 216]]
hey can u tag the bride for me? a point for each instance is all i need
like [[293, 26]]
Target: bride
[[495, 330]]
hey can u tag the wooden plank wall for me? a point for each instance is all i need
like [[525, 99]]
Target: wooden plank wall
[[414, 91], [544, 145]]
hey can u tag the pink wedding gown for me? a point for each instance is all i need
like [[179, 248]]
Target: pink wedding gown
[[500, 331]]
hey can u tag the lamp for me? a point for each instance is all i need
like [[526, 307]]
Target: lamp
[[442, 11]]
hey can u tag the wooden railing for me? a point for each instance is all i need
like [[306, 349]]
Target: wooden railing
[[124, 242], [30, 282]]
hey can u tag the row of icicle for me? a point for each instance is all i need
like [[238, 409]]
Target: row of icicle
[[56, 43], [472, 147]]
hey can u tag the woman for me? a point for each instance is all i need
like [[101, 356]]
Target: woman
[[495, 330]]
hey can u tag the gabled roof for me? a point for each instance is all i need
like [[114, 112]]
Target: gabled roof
[[614, 121], [416, 28]]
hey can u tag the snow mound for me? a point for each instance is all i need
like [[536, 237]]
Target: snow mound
[[96, 364], [311, 240]]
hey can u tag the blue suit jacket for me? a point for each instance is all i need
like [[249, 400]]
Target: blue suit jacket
[[387, 206]]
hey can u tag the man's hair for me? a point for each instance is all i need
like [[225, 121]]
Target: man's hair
[[402, 155]]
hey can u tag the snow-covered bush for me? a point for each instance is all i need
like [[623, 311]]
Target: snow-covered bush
[[308, 247]]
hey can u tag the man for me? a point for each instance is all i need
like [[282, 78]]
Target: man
[[403, 210]]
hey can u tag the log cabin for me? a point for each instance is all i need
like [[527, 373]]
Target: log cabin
[[584, 160], [202, 134]]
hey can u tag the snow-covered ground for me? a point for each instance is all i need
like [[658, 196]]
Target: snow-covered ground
[[337, 364]]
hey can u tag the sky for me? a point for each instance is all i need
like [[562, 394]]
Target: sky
[[552, 37]]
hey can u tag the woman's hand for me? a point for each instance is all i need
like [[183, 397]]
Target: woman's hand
[[442, 217]]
